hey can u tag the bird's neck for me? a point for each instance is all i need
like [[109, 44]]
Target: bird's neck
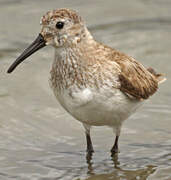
[[69, 67], [80, 38]]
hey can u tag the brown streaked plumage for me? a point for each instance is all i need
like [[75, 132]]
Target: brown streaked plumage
[[96, 84], [62, 13], [136, 80]]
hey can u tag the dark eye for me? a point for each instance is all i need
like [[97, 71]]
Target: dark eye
[[59, 25]]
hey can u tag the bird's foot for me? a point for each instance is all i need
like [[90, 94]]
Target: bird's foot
[[114, 151], [89, 155], [90, 150]]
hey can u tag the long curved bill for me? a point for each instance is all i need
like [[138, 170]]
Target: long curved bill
[[35, 46]]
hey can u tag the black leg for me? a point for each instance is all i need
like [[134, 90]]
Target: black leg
[[115, 148], [89, 144]]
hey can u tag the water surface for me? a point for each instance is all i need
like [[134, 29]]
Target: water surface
[[39, 140]]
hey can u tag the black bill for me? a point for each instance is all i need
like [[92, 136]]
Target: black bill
[[36, 45]]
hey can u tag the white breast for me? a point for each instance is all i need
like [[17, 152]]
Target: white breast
[[98, 108]]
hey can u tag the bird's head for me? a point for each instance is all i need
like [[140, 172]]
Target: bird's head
[[60, 28]]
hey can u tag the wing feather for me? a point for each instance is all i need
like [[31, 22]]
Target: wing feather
[[136, 80]]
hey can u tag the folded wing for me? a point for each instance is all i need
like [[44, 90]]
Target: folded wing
[[136, 80]]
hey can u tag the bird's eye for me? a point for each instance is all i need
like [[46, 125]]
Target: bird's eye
[[59, 25]]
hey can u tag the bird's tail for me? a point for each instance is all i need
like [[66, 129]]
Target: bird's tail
[[160, 77]]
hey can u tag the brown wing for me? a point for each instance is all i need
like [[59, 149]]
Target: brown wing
[[135, 79]]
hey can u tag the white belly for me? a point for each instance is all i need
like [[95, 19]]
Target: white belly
[[97, 108]]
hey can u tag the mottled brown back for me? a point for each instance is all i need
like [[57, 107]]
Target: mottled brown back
[[135, 79]]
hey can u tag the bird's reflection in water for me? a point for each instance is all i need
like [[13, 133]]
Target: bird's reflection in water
[[115, 160], [89, 163], [117, 172]]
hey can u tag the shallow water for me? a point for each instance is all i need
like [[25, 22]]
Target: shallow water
[[39, 140]]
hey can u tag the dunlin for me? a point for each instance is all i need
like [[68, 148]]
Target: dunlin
[[96, 84]]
